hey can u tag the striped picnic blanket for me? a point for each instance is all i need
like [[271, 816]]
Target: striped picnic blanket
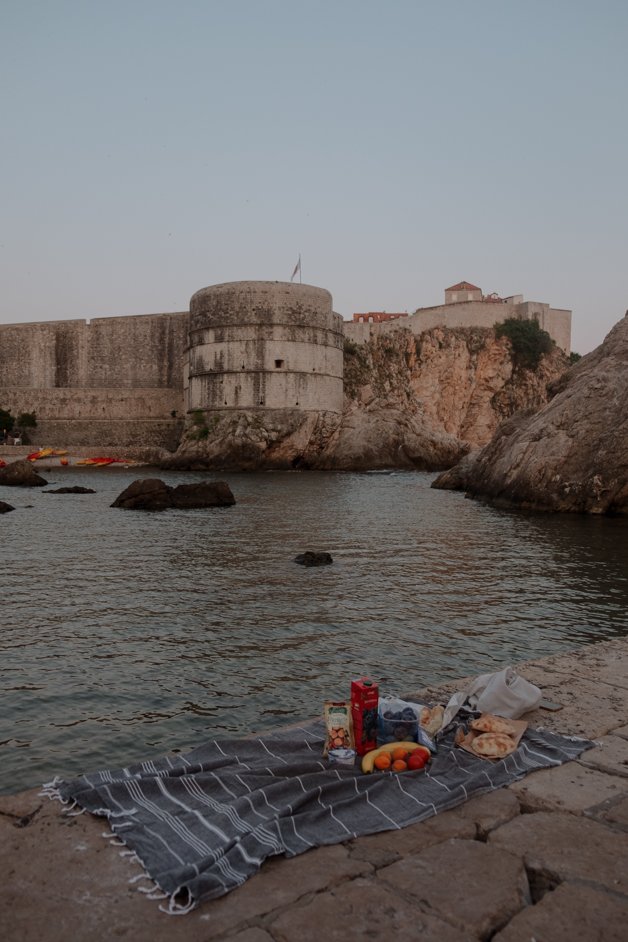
[[201, 823]]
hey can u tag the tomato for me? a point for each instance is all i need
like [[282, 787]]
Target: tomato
[[417, 760]]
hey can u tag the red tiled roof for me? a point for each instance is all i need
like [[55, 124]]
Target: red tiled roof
[[463, 286]]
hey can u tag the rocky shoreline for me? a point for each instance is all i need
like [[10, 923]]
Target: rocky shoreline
[[544, 858]]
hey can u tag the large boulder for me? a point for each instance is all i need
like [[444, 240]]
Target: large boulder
[[21, 474], [153, 494], [144, 494], [202, 494], [572, 455]]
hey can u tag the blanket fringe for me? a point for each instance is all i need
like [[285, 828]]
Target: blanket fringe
[[51, 790], [175, 908], [153, 891]]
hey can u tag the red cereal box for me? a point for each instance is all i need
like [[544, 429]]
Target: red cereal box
[[364, 700]]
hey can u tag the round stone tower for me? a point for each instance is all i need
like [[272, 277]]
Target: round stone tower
[[260, 345]]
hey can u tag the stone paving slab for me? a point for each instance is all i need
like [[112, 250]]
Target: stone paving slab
[[474, 819], [283, 881], [565, 847], [364, 909], [613, 812], [609, 755], [465, 883], [570, 914], [569, 787], [590, 709]]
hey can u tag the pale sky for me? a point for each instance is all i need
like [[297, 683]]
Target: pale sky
[[153, 147]]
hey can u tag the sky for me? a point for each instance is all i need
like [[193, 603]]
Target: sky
[[154, 147]]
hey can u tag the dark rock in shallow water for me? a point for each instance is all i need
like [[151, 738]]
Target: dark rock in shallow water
[[21, 474], [5, 508], [72, 490], [313, 559], [153, 494], [202, 494], [144, 494]]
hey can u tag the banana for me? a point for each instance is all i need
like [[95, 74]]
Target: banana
[[369, 758]]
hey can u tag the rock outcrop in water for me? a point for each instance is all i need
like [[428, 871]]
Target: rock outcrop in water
[[153, 494], [570, 456], [21, 474], [410, 402]]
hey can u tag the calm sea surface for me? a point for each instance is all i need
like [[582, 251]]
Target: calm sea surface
[[127, 634]]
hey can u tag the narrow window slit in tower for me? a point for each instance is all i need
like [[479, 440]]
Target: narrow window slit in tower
[[278, 364]]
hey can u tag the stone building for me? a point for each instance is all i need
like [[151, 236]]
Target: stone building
[[466, 306]]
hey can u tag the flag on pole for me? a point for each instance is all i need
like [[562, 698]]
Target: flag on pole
[[297, 270]]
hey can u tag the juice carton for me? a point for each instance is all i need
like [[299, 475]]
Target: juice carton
[[364, 699]]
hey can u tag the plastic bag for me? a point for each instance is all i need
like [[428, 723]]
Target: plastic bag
[[400, 720]]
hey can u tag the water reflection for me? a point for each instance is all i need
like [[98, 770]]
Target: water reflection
[[130, 634]]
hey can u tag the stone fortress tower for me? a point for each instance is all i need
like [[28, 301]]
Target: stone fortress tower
[[264, 345]]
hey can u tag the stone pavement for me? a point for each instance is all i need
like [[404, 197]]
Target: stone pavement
[[543, 860]]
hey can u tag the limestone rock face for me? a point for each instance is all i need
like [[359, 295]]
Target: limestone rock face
[[21, 474], [572, 455], [410, 402]]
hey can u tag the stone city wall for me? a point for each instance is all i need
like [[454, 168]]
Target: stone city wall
[[111, 381], [555, 321]]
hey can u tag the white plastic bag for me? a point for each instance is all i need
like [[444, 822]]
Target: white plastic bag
[[504, 693]]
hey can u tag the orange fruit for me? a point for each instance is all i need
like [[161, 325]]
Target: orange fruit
[[399, 765], [400, 753], [382, 761]]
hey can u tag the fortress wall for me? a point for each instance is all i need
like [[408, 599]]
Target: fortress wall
[[42, 355], [270, 345], [142, 351], [101, 417], [556, 322], [261, 389], [109, 382]]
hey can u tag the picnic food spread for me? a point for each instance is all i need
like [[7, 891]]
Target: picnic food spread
[[388, 734]]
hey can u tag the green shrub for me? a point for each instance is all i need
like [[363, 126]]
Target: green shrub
[[27, 420], [6, 420], [527, 340], [574, 357]]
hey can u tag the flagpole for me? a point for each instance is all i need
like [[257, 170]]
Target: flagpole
[[300, 271]]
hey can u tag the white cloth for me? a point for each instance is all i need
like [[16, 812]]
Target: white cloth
[[504, 693]]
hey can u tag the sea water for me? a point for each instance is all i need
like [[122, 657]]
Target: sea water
[[127, 634]]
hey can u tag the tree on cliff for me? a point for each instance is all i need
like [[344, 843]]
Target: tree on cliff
[[527, 340]]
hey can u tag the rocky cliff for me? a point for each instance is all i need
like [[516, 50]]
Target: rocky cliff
[[572, 455], [410, 402]]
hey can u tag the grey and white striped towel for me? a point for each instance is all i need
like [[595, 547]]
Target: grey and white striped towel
[[202, 823]]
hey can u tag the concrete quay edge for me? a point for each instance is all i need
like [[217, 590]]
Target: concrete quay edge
[[545, 858]]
